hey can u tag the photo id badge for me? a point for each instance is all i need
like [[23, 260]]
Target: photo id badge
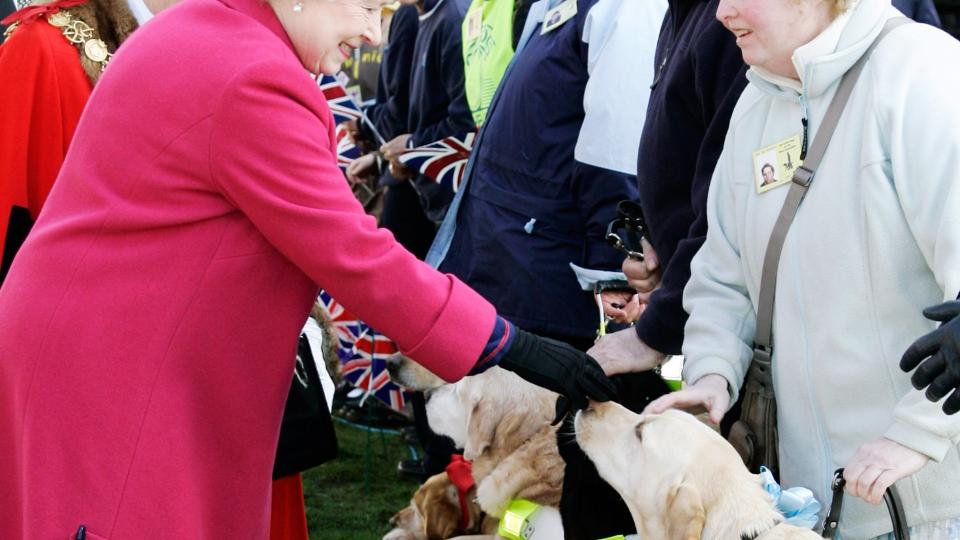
[[474, 23], [558, 12], [773, 165]]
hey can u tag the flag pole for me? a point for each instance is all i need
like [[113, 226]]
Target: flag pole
[[363, 114], [373, 128]]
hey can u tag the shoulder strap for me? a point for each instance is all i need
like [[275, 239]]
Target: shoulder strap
[[802, 178]]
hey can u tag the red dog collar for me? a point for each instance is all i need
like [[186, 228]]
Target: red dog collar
[[460, 473]]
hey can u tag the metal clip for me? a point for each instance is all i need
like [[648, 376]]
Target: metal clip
[[803, 176], [631, 221]]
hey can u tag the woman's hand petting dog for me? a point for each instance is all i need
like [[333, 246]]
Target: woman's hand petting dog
[[878, 465], [621, 306], [709, 393], [624, 352], [643, 276]]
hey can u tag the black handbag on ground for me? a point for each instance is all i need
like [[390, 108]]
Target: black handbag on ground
[[754, 435], [307, 437]]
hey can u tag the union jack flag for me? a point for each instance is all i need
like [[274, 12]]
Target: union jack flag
[[347, 152], [363, 354], [347, 327], [341, 102], [367, 370], [443, 161]]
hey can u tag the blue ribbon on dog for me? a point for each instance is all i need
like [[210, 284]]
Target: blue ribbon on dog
[[797, 504]]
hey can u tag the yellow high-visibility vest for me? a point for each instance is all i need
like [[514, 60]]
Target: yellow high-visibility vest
[[487, 50]]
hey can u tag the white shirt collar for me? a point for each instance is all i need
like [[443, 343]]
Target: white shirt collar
[[140, 11]]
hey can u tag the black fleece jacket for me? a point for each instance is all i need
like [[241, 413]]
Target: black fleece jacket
[[700, 75]]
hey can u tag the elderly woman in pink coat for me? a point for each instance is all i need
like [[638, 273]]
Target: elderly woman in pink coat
[[148, 326]]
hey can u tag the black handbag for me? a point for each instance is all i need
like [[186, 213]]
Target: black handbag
[[900, 529], [307, 437], [754, 435]]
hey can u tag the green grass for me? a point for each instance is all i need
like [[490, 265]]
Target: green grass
[[341, 504]]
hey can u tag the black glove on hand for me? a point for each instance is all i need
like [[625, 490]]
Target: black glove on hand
[[560, 368], [941, 349]]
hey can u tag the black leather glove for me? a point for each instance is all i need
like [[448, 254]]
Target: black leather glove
[[941, 349], [560, 368]]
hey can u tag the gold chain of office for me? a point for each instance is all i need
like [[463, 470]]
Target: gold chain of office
[[80, 34]]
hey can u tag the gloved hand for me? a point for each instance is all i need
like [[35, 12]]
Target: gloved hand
[[941, 349], [560, 368]]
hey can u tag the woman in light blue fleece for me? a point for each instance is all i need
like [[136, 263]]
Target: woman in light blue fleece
[[876, 240]]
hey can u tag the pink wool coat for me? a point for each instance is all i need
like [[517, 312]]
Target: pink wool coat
[[148, 327]]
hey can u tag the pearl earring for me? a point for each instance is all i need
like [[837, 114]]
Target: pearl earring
[[298, 6]]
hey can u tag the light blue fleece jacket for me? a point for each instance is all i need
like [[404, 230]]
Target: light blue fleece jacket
[[876, 240]]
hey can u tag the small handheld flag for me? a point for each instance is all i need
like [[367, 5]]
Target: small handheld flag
[[443, 161], [343, 106]]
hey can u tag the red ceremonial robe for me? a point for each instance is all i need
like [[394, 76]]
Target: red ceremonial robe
[[43, 90]]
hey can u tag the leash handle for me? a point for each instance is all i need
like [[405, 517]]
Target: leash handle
[[631, 221], [891, 497]]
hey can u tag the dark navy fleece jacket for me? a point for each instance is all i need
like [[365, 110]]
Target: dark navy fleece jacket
[[700, 75], [919, 10], [389, 113]]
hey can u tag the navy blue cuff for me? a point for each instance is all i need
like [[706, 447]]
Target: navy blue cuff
[[499, 343], [658, 332]]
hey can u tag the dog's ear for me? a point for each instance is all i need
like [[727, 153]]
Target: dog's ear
[[481, 428], [685, 513], [441, 517], [406, 519]]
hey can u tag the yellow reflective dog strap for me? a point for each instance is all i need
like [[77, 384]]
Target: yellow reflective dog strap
[[515, 523], [616, 537]]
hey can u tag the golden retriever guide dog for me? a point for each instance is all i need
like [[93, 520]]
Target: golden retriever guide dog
[[680, 479], [435, 514], [503, 425]]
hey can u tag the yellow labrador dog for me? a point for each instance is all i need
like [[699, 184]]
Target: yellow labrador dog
[[680, 479], [435, 514], [503, 425]]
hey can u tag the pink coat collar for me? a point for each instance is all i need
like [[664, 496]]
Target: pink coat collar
[[260, 11]]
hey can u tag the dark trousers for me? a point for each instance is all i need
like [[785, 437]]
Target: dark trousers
[[403, 216]]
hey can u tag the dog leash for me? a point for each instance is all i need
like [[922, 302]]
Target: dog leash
[[891, 497]]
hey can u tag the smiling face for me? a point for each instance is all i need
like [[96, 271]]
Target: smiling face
[[768, 31], [325, 32]]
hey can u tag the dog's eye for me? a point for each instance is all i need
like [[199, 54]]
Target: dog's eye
[[638, 431]]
